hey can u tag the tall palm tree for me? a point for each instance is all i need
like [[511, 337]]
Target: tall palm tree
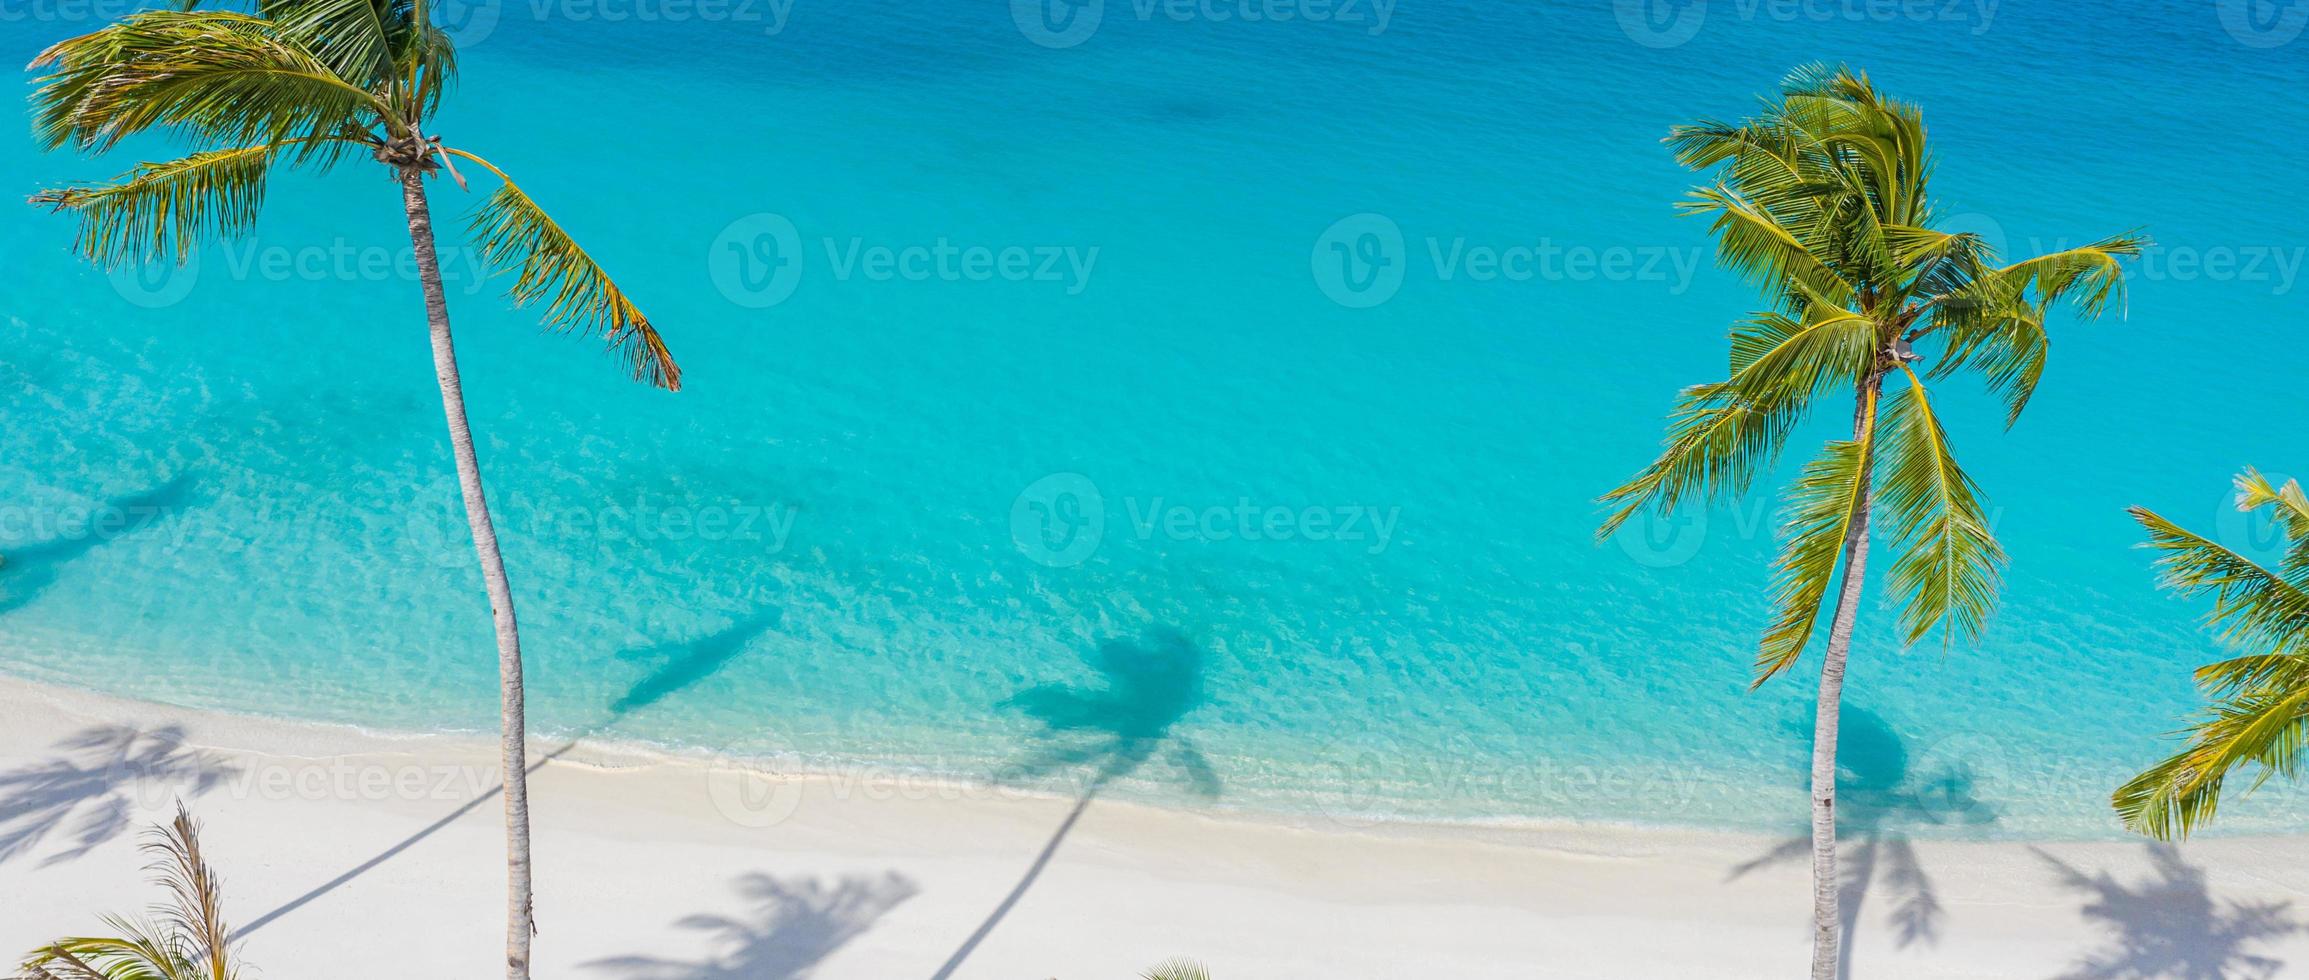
[[313, 83], [2259, 710], [185, 939], [1820, 202]]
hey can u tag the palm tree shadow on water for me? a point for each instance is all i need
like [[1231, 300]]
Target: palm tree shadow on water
[[1102, 732], [678, 666], [2169, 925], [94, 784], [28, 571], [790, 926], [1882, 797]]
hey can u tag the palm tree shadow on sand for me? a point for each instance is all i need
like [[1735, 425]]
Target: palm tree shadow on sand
[[2169, 926], [788, 929], [28, 571], [679, 666], [1098, 733], [94, 783], [1881, 799]]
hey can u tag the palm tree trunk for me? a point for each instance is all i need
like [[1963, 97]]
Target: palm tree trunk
[[1826, 919], [513, 728]]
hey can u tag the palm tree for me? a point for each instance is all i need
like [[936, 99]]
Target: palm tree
[[312, 83], [2259, 711], [184, 939], [1820, 202]]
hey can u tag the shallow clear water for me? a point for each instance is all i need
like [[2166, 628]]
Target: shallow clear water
[[1196, 502]]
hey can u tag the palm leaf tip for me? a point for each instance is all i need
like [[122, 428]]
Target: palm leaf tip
[[1178, 969], [516, 236]]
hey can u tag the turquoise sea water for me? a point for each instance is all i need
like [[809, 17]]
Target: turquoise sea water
[[1180, 474]]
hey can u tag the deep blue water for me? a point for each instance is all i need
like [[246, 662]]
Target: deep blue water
[[1030, 391]]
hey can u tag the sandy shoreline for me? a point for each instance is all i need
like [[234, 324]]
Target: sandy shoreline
[[357, 855]]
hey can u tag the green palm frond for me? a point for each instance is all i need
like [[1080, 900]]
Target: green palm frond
[[1723, 434], [2288, 507], [1823, 505], [186, 938], [1758, 246], [2251, 604], [1178, 969], [160, 210], [515, 235], [2265, 725], [216, 77], [2258, 704], [1947, 570]]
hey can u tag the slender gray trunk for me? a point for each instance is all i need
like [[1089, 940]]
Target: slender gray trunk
[[513, 734], [1826, 920]]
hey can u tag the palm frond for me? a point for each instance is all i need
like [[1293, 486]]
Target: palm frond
[[1178, 969], [2264, 725], [2288, 507], [1947, 569], [1823, 505], [160, 210], [214, 77], [515, 235], [2251, 604], [187, 938], [1758, 246]]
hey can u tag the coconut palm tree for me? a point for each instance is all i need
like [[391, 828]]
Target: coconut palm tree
[[312, 84], [2259, 711], [185, 938], [1821, 202]]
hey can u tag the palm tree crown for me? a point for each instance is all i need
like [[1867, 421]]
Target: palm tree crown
[[2259, 711], [1821, 201], [296, 83]]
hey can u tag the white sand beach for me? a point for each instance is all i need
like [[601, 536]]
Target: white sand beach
[[353, 856]]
